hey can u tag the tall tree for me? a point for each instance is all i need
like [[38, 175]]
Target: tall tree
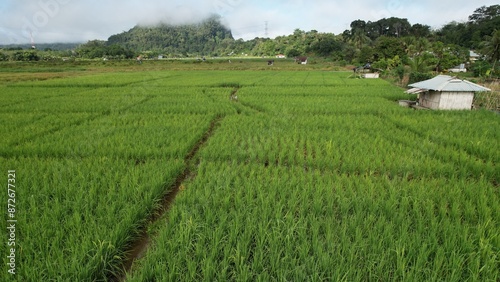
[[387, 47], [326, 45], [416, 50], [455, 33], [484, 14], [394, 27], [358, 25], [483, 22], [491, 47], [359, 38], [420, 30]]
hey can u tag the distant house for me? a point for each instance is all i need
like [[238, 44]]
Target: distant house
[[445, 92], [301, 60], [280, 56], [473, 56], [459, 68]]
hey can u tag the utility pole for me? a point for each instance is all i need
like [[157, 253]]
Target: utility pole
[[266, 30], [32, 41]]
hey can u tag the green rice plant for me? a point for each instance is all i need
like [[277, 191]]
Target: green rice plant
[[309, 176], [101, 101], [187, 100], [76, 216], [11, 97], [254, 222], [21, 127], [129, 136], [108, 80]]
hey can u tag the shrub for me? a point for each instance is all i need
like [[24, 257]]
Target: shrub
[[25, 56], [419, 76], [3, 57]]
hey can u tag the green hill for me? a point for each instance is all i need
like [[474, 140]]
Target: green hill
[[204, 38]]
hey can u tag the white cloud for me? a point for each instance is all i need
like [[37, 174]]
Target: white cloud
[[81, 20]]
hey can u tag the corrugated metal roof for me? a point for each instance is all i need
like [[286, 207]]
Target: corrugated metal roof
[[473, 54], [415, 91], [449, 84]]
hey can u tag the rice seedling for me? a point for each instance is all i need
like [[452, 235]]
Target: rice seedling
[[254, 222], [309, 176]]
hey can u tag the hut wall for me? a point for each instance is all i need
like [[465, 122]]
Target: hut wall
[[456, 100], [430, 99], [446, 100]]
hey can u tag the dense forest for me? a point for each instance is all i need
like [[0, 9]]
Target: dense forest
[[206, 37], [389, 44]]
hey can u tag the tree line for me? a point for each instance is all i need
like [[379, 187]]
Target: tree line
[[389, 44]]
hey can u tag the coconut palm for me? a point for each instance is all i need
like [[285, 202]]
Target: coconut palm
[[491, 47], [359, 38]]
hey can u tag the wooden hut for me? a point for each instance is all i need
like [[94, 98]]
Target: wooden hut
[[446, 92]]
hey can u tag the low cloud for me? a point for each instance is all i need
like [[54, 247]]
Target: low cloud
[[79, 20]]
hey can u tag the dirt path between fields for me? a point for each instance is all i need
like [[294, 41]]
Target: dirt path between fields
[[140, 246]]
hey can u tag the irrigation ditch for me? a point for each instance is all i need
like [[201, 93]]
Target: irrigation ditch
[[241, 106], [139, 246]]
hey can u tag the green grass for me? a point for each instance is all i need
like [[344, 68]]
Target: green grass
[[249, 222], [308, 176]]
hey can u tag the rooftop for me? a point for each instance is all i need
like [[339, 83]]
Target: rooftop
[[473, 54], [446, 83]]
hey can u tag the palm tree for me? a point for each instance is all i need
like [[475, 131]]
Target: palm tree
[[409, 45], [415, 46], [416, 49], [359, 38], [491, 47]]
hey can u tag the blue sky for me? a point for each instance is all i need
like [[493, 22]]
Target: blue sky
[[83, 20]]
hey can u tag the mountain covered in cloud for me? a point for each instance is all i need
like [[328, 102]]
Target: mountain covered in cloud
[[200, 38]]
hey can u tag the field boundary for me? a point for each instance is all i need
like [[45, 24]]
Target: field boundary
[[245, 105], [253, 107], [139, 246]]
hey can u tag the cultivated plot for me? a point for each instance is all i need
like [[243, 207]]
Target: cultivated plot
[[279, 175]]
